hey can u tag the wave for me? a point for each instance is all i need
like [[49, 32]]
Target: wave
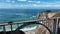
[[27, 29], [33, 16], [24, 29]]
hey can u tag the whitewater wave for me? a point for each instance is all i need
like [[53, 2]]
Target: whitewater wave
[[24, 29], [33, 16], [27, 29]]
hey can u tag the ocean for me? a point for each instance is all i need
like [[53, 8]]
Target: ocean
[[17, 15]]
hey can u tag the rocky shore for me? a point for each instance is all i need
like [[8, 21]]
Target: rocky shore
[[49, 23]]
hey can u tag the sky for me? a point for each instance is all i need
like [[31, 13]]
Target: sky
[[33, 4]]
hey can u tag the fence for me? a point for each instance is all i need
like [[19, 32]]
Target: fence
[[25, 23]]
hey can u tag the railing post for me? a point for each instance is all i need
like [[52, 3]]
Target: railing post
[[4, 30], [11, 28], [55, 26]]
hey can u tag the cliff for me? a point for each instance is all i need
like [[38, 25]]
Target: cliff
[[49, 23]]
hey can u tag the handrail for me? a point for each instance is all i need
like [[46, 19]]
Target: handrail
[[23, 22], [5, 24]]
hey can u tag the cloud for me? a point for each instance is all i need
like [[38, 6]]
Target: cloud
[[13, 1], [22, 0], [38, 2], [30, 6], [8, 0], [34, 1], [31, 1]]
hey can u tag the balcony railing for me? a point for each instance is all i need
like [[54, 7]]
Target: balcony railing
[[25, 23]]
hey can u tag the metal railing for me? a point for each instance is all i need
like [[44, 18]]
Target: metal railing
[[25, 23], [11, 24]]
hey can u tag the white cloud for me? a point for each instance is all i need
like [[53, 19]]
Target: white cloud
[[30, 1], [8, 0], [22, 0], [32, 6], [13, 1], [38, 2], [34, 1]]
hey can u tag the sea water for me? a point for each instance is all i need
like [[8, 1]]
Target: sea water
[[17, 15]]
